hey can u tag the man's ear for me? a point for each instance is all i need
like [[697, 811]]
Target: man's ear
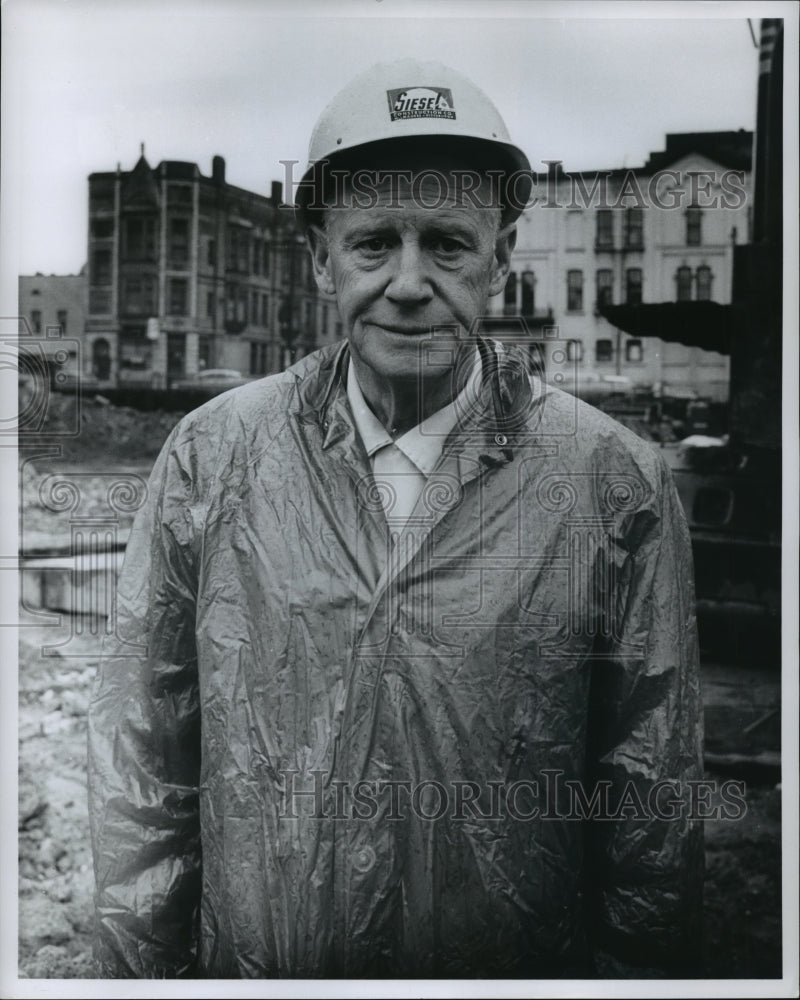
[[504, 245], [320, 259]]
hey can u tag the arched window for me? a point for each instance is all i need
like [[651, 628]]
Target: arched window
[[604, 350], [633, 286], [510, 295], [683, 278], [574, 350], [694, 227], [704, 279], [634, 229], [101, 359], [528, 283], [574, 291], [634, 351], [605, 287]]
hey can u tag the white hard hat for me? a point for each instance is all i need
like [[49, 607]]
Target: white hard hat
[[413, 101]]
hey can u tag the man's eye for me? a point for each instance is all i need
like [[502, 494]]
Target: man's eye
[[375, 244], [447, 245]]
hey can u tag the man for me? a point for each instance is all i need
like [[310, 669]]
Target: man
[[415, 691]]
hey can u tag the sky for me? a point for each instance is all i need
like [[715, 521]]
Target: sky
[[86, 81]]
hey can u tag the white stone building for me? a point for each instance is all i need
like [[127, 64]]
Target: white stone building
[[662, 233]]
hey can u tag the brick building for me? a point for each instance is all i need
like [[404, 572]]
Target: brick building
[[53, 307], [188, 272]]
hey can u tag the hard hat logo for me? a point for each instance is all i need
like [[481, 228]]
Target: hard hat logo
[[407, 107], [420, 102]]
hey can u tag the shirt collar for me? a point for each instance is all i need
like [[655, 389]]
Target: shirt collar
[[422, 444]]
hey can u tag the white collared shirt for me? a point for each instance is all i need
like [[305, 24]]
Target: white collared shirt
[[402, 467]]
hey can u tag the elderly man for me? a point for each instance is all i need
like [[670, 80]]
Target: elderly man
[[406, 682]]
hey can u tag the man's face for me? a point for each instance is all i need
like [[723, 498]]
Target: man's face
[[399, 272]]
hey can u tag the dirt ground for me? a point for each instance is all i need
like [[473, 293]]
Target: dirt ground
[[56, 668], [743, 863]]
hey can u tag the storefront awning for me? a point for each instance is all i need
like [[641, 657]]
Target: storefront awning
[[694, 324]]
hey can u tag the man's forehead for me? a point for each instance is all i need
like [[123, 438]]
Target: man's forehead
[[447, 191], [399, 213]]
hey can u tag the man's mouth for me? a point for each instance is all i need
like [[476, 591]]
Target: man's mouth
[[403, 330]]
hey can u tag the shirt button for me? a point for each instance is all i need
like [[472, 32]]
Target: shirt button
[[364, 860], [501, 440]]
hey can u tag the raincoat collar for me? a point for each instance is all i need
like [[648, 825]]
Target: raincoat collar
[[498, 420]]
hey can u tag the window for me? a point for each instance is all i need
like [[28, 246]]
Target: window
[[605, 287], [574, 350], [61, 319], [238, 258], [574, 291], [36, 320], [704, 279], [308, 314], [236, 301], [254, 304], [178, 296], [633, 286], [634, 351], [265, 309], [140, 238], [510, 295], [179, 194], [323, 322], [634, 223], [135, 351], [683, 278], [178, 242], [575, 230], [258, 358], [210, 304], [528, 282], [102, 229], [605, 229], [256, 267], [694, 227], [139, 296], [101, 267], [100, 301], [212, 253], [265, 259], [203, 353], [243, 261], [101, 200], [604, 350]]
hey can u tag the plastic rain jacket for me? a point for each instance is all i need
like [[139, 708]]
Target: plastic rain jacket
[[319, 749]]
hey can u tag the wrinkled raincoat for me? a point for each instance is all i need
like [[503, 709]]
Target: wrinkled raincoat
[[320, 746]]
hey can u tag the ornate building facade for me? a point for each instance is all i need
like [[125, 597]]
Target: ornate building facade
[[189, 273]]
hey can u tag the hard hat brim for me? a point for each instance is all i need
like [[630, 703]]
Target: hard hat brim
[[506, 162]]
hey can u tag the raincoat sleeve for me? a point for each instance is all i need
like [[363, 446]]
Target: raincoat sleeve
[[144, 746], [645, 860]]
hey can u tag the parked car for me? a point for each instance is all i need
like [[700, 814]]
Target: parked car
[[212, 381]]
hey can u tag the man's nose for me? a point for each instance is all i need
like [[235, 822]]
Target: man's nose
[[409, 282]]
